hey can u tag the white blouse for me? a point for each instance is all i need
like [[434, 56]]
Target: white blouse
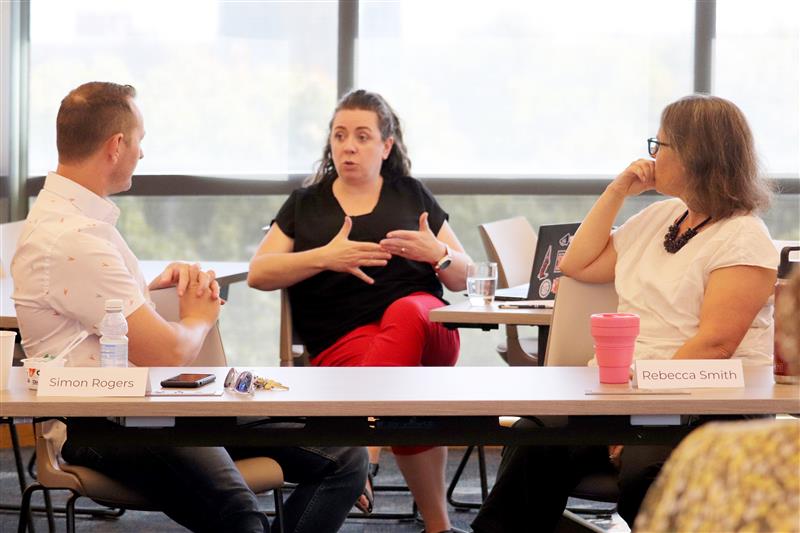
[[666, 290]]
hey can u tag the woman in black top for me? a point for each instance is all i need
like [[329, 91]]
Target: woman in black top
[[364, 250]]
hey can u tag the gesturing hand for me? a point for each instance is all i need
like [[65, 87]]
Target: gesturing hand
[[344, 255], [640, 176], [417, 245]]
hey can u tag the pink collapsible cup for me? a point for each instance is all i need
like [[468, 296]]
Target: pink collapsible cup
[[614, 339]]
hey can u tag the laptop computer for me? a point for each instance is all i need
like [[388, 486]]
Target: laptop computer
[[550, 248]]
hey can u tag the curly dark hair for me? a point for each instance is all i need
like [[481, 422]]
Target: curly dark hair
[[397, 164]]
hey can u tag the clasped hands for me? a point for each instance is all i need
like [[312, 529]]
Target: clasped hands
[[349, 256]]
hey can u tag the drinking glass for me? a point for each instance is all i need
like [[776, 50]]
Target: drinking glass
[[481, 283]]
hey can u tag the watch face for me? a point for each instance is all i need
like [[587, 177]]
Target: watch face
[[444, 263]]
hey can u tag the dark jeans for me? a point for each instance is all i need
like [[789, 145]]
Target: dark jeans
[[534, 482], [329, 480], [201, 489]]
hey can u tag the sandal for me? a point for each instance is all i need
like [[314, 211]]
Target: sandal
[[368, 494]]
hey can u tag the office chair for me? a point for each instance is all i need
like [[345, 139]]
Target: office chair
[[570, 344], [511, 243], [261, 474], [212, 353], [292, 351]]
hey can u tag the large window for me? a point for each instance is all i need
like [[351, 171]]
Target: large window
[[225, 87], [229, 229], [757, 65], [494, 88]]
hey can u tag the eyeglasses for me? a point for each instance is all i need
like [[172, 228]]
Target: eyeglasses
[[246, 382], [653, 145]]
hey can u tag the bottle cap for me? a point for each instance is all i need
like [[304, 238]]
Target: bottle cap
[[114, 305], [785, 266]]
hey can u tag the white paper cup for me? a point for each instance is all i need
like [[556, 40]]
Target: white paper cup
[[33, 368], [7, 339]]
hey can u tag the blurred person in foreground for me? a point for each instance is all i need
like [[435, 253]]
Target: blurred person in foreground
[[698, 269], [364, 249], [70, 259]]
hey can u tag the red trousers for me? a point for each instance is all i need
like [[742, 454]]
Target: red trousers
[[404, 336]]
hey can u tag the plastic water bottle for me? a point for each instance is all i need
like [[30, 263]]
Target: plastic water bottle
[[114, 340]]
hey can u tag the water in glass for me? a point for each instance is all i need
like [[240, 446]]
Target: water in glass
[[481, 290]]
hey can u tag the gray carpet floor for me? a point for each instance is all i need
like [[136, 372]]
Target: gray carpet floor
[[385, 502]]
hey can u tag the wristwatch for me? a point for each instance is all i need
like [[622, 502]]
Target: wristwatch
[[445, 261]]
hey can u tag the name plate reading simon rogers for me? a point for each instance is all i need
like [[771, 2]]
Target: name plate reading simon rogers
[[688, 374], [94, 382]]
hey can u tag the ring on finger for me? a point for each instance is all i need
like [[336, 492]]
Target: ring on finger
[[402, 250]]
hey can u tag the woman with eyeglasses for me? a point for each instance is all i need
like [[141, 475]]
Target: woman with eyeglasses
[[364, 249], [698, 269]]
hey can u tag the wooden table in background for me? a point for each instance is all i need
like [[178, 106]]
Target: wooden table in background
[[464, 315]]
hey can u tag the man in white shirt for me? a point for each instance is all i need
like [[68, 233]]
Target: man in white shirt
[[70, 259]]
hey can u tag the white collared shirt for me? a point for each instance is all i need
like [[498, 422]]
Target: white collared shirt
[[70, 259]]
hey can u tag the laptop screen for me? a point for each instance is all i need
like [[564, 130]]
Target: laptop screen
[[550, 248]]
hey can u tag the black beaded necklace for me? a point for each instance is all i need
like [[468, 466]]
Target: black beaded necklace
[[673, 243]]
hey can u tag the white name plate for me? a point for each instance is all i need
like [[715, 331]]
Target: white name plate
[[688, 374], [93, 382]]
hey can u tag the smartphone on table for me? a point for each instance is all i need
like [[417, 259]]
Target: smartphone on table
[[188, 380]]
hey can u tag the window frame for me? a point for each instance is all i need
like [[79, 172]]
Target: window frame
[[18, 187]]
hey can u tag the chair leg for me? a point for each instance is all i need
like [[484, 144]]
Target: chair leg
[[12, 430], [48, 506], [25, 515], [457, 477], [482, 473], [23, 482], [32, 465], [278, 493], [71, 512]]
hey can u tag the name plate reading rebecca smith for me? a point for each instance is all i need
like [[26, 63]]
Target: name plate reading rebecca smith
[[93, 382], [688, 374]]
